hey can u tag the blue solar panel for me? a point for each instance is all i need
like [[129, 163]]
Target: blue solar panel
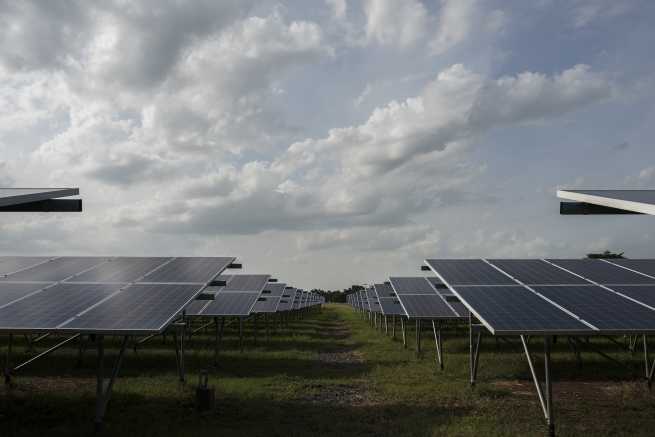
[[507, 310], [141, 308], [11, 264], [602, 308], [412, 285], [231, 304], [390, 306], [120, 270], [11, 292], [266, 304], [247, 283], [181, 270], [602, 272], [642, 293], [46, 310], [646, 266], [426, 306], [536, 271], [468, 272], [384, 290], [56, 270]]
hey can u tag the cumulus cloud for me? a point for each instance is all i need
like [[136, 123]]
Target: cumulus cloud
[[395, 23]]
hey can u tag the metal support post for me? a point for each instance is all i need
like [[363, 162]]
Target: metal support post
[[650, 369], [402, 327], [241, 333], [393, 327], [418, 336], [7, 370], [386, 326], [474, 350], [545, 400]]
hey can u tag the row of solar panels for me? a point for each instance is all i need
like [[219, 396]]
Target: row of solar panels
[[527, 296], [129, 295]]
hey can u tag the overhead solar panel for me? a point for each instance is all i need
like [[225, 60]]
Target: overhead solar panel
[[641, 201], [17, 196], [10, 292], [127, 269], [513, 310], [140, 308], [602, 308], [274, 289], [468, 272], [12, 264], [412, 285], [602, 272], [646, 266], [265, 304], [56, 270], [456, 304], [189, 270], [195, 307], [536, 271]]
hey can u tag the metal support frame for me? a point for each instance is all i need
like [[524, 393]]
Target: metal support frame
[[474, 349], [103, 391], [241, 334], [650, 369], [436, 329], [545, 393], [7, 369], [254, 325], [418, 336], [393, 327], [402, 327], [179, 349], [386, 326]]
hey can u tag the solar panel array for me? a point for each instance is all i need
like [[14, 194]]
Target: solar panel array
[[420, 298], [576, 296], [131, 295]]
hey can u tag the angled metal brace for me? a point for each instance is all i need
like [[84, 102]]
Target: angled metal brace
[[103, 391], [41, 355], [418, 336], [650, 369], [545, 400], [402, 327], [474, 349], [437, 342]]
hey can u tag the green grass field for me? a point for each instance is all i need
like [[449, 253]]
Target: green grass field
[[329, 374]]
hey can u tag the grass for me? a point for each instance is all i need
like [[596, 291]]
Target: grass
[[329, 374]]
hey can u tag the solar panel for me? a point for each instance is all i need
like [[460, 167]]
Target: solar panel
[[426, 306], [468, 272], [181, 270], [247, 283], [274, 290], [536, 271], [231, 304], [507, 310], [11, 264], [412, 285], [601, 308], [286, 301], [265, 304], [11, 292], [56, 270], [646, 266], [17, 196], [642, 201], [47, 310], [456, 304], [384, 290], [126, 269], [140, 308], [642, 293], [390, 306], [602, 272]]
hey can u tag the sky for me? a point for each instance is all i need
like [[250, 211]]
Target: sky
[[328, 143]]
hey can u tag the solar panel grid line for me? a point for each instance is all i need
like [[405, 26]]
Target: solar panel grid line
[[426, 287], [588, 270], [605, 287], [42, 289], [627, 268], [122, 288], [29, 266], [552, 302], [443, 298]]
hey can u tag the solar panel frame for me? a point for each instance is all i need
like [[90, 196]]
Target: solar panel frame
[[408, 287], [641, 201], [536, 272], [464, 272], [18, 196], [597, 271]]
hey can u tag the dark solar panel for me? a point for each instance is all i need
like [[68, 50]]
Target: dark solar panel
[[50, 308], [195, 307], [412, 285], [56, 270], [602, 308], [265, 305], [275, 289], [120, 270], [468, 272], [456, 304], [426, 306], [200, 270], [602, 272], [384, 290], [11, 292], [516, 310], [247, 283], [139, 308], [646, 266], [536, 271], [642, 293], [231, 304], [11, 264], [390, 306]]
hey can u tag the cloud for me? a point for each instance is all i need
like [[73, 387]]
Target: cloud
[[644, 179], [339, 7], [395, 23]]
